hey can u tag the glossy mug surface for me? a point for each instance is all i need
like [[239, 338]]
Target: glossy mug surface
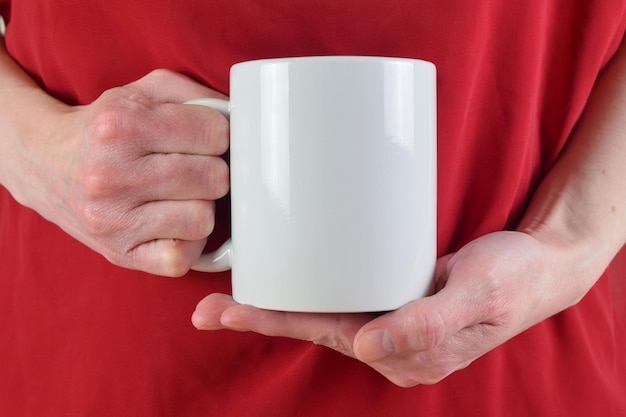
[[333, 183]]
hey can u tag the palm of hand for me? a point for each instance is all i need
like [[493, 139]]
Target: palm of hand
[[489, 291]]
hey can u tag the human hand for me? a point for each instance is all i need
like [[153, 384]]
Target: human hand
[[134, 174], [489, 291]]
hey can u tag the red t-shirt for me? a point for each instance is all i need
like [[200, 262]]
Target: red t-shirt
[[81, 337]]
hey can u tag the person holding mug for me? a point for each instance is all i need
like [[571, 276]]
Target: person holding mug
[[112, 185]]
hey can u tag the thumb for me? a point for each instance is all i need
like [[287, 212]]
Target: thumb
[[418, 326]]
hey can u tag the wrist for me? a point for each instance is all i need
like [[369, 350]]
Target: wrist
[[581, 230], [30, 122]]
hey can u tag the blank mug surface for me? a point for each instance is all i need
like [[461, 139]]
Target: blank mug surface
[[333, 183]]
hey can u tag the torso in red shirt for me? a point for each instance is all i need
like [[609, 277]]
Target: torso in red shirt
[[81, 337]]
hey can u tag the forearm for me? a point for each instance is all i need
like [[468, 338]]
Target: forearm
[[581, 205], [26, 112]]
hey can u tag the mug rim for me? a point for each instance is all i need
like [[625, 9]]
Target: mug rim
[[335, 59]]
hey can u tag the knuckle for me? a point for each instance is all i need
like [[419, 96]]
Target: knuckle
[[120, 113], [107, 125], [427, 331], [95, 220], [160, 75], [100, 214], [95, 181]]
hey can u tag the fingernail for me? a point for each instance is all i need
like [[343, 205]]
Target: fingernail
[[386, 343], [375, 345]]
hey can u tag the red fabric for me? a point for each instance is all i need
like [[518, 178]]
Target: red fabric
[[81, 337]]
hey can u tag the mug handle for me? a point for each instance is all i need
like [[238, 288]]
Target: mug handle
[[221, 259]]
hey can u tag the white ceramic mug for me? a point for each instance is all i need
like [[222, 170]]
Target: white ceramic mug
[[333, 183]]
